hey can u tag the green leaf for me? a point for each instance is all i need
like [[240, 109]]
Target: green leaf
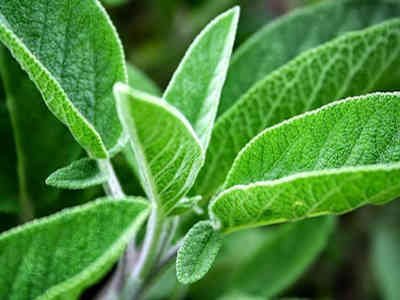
[[353, 64], [330, 161], [166, 151], [198, 252], [72, 53], [275, 261], [386, 252], [269, 257], [78, 175], [42, 144], [139, 81], [196, 86], [278, 42], [59, 256]]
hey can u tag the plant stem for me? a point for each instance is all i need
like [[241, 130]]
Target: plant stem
[[148, 256], [112, 186]]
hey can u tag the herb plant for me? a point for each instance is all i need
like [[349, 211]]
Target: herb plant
[[303, 123]]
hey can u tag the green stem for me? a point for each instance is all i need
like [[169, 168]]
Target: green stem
[[148, 257], [112, 187]]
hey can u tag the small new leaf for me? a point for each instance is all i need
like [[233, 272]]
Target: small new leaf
[[329, 161], [196, 86], [198, 252], [80, 174], [59, 256]]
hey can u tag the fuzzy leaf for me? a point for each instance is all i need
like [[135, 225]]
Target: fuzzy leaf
[[166, 151], [196, 86], [353, 64], [198, 252], [269, 257], [279, 41], [72, 53], [386, 252], [329, 161], [139, 81], [78, 175], [58, 256]]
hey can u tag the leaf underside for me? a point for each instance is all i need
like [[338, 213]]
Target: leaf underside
[[167, 153], [59, 256], [329, 161], [353, 64]]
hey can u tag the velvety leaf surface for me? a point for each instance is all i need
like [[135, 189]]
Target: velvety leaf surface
[[196, 86], [329, 161], [57, 257], [167, 153], [350, 65], [78, 175], [42, 144], [198, 252], [139, 81], [280, 41], [386, 252], [71, 51]]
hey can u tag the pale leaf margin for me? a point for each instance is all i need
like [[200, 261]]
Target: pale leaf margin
[[95, 270], [216, 84], [55, 97], [144, 170]]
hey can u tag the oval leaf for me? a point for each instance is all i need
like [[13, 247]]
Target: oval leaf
[[279, 41], [198, 252], [348, 66], [329, 161], [269, 257], [166, 151], [72, 53], [196, 86], [58, 256], [80, 174]]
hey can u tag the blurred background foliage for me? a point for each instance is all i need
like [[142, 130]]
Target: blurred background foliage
[[362, 259], [155, 33]]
